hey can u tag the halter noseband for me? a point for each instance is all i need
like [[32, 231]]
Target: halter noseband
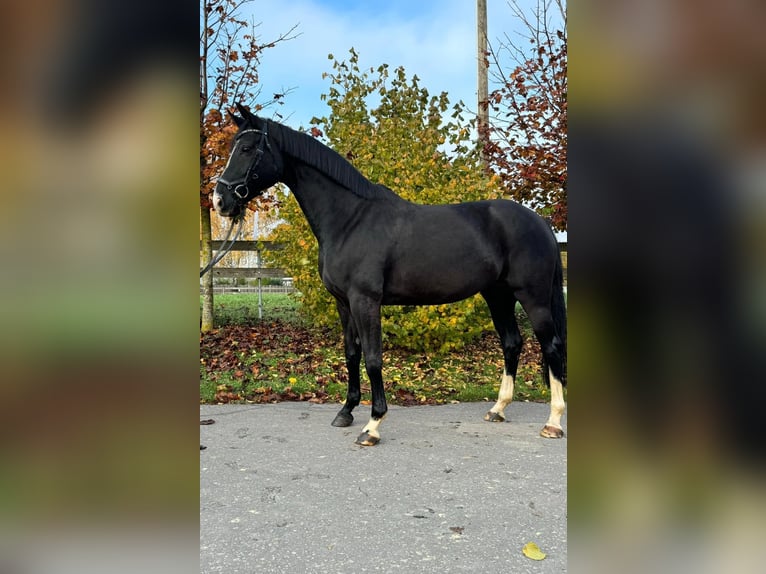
[[235, 186]]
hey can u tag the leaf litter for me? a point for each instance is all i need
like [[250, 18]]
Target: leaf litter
[[274, 361]]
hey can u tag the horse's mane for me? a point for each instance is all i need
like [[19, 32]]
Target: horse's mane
[[312, 152]]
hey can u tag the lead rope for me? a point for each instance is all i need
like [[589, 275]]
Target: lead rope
[[224, 247]]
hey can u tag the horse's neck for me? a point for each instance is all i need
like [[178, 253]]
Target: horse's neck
[[328, 206]]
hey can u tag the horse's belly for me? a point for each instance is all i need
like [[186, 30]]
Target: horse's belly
[[424, 299], [419, 288]]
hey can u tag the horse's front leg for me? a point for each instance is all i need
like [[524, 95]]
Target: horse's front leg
[[366, 313], [353, 352]]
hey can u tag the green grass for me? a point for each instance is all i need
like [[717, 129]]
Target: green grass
[[242, 308], [274, 367], [278, 372]]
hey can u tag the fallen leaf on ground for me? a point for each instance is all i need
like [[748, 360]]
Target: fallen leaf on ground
[[532, 550]]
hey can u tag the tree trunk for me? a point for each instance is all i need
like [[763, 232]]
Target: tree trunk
[[206, 235], [482, 89]]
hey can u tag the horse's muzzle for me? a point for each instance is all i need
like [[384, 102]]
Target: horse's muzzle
[[225, 204]]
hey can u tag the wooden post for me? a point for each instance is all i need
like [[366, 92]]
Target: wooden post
[[260, 285], [482, 95]]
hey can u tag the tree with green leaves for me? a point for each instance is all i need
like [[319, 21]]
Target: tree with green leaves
[[395, 133]]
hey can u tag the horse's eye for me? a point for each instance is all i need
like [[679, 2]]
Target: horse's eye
[[247, 148]]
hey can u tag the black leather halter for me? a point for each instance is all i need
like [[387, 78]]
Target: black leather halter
[[241, 184]]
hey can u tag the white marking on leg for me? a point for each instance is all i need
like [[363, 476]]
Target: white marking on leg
[[504, 396], [371, 428], [557, 402]]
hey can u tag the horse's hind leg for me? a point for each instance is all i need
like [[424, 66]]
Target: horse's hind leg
[[502, 308], [553, 428], [353, 351], [553, 349]]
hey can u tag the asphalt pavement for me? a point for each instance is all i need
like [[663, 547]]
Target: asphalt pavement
[[282, 491]]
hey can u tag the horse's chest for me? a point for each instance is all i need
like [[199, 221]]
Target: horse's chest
[[340, 273]]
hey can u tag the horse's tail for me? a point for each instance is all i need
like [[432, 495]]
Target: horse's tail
[[559, 312]]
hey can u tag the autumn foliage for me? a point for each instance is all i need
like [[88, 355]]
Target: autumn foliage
[[527, 141], [215, 135], [396, 134]]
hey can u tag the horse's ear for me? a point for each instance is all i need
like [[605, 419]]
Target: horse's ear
[[236, 119], [244, 111]]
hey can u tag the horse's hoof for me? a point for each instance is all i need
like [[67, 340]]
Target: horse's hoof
[[494, 417], [366, 439], [551, 432], [343, 420]]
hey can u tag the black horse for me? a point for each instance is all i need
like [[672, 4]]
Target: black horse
[[377, 249]]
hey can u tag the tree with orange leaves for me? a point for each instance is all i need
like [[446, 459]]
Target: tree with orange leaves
[[527, 141], [230, 52]]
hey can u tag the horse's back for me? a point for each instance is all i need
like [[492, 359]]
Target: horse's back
[[518, 222], [445, 253]]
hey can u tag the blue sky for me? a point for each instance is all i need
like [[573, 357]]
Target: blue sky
[[435, 39]]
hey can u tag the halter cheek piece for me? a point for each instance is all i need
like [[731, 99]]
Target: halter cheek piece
[[235, 186]]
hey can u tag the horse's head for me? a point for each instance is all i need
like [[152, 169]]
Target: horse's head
[[254, 165]]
